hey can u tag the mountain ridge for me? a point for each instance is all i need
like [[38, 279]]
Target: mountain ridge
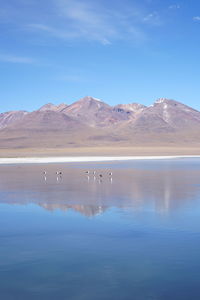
[[92, 122]]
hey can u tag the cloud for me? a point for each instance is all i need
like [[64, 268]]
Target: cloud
[[15, 59], [152, 18], [92, 21], [197, 18], [175, 6], [55, 32], [82, 20], [88, 21]]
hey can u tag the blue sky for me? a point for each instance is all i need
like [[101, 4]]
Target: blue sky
[[118, 51]]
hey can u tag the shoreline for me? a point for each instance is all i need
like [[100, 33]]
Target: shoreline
[[79, 159], [100, 152]]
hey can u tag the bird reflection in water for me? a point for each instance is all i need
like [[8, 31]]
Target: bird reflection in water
[[164, 189]]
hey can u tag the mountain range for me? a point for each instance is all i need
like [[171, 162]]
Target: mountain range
[[91, 122]]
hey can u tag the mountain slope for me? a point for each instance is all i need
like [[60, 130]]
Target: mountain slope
[[94, 112], [52, 107], [46, 120], [11, 117], [132, 107], [91, 122], [174, 113]]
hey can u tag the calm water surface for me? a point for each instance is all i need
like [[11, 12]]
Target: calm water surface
[[132, 235]]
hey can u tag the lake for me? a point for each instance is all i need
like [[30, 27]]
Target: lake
[[132, 234]]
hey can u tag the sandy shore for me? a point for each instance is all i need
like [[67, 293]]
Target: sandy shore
[[37, 160], [100, 151]]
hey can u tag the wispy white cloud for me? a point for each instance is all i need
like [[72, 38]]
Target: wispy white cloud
[[16, 59], [91, 21], [87, 20], [175, 6], [153, 18], [55, 32], [197, 18]]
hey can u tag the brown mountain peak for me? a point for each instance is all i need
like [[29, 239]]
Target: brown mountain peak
[[48, 106], [53, 107], [167, 101], [89, 98], [133, 107]]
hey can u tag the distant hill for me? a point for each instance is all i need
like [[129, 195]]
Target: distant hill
[[92, 122]]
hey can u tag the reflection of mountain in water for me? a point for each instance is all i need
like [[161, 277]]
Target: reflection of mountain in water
[[86, 210], [163, 189]]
